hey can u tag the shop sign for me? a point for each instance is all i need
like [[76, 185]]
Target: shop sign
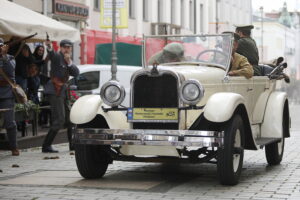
[[71, 9]]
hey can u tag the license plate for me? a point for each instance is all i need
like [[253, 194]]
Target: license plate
[[152, 114]]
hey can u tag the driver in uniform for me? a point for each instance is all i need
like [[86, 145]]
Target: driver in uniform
[[172, 52]]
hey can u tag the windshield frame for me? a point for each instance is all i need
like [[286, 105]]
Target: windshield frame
[[226, 67]]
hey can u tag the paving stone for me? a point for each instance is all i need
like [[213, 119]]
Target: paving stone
[[59, 179]]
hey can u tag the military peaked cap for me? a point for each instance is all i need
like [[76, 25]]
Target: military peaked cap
[[66, 42], [244, 27], [234, 35]]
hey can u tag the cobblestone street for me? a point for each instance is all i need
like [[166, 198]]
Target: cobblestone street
[[55, 176]]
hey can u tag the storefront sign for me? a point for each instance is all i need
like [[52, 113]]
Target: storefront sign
[[121, 14], [71, 9]]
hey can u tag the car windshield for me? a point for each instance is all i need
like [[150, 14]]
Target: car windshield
[[210, 50]]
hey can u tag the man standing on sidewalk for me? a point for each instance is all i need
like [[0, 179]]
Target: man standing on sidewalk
[[56, 90], [7, 100]]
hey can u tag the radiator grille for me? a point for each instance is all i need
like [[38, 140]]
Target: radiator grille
[[155, 92]]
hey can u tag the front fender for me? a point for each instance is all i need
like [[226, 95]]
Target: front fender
[[221, 106], [86, 108], [273, 119]]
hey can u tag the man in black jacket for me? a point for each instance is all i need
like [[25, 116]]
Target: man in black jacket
[[55, 90], [7, 100]]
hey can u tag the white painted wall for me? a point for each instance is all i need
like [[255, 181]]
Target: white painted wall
[[230, 12], [277, 41]]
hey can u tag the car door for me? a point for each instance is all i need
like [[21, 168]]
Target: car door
[[262, 89], [244, 87]]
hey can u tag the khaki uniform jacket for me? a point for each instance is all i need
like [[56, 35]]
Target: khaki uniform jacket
[[241, 67]]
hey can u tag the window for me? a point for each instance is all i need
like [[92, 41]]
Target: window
[[132, 9], [97, 5], [191, 12], [146, 10], [87, 81], [182, 13], [159, 10], [201, 18], [173, 12]]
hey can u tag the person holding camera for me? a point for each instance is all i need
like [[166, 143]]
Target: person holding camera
[[55, 90]]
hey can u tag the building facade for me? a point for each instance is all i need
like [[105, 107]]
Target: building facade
[[179, 16], [154, 17], [71, 12], [149, 17], [278, 34]]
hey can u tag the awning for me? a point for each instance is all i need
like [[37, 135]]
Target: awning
[[16, 20]]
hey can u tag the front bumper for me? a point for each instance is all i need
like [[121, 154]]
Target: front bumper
[[178, 138]]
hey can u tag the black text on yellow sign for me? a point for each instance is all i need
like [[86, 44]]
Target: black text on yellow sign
[[155, 114]]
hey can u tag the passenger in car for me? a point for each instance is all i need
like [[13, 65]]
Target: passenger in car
[[247, 47], [239, 65], [172, 52]]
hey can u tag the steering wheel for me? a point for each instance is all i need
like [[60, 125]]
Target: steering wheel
[[215, 51]]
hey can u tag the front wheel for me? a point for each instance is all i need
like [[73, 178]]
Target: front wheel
[[92, 160], [230, 157]]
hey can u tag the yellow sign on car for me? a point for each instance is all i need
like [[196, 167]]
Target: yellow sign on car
[[153, 114]]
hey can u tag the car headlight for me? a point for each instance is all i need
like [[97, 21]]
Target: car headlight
[[112, 93], [191, 92]]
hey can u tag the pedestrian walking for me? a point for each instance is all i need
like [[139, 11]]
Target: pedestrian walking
[[61, 68], [7, 100]]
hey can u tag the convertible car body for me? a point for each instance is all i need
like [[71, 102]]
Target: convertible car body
[[187, 111]]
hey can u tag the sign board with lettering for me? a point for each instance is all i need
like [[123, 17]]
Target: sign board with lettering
[[70, 9], [106, 13], [152, 114]]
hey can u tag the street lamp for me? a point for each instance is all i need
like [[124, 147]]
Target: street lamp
[[262, 32]]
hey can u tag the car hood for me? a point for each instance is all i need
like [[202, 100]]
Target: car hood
[[204, 74]]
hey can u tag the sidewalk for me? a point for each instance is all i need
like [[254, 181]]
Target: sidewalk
[[35, 141]]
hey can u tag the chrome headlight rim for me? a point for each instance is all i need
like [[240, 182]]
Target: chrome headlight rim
[[121, 89], [200, 90]]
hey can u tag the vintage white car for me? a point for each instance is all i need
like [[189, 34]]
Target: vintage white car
[[184, 111]]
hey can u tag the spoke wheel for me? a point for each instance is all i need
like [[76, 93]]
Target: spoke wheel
[[230, 157]]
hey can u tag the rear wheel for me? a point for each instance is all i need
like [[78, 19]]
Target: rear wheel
[[274, 152], [92, 160], [230, 157]]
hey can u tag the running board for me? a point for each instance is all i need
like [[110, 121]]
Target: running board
[[261, 142]]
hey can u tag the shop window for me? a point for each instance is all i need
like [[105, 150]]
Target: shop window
[[146, 10], [97, 5], [132, 9]]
